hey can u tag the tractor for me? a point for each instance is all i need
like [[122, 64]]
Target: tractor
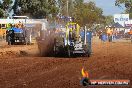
[[71, 43], [15, 36], [17, 32]]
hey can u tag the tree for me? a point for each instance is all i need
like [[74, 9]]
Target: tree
[[84, 13], [35, 8], [1, 13], [5, 6], [128, 5], [87, 13], [108, 20], [66, 7]]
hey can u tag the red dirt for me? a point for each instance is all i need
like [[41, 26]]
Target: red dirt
[[108, 61]]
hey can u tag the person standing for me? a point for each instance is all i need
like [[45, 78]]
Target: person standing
[[3, 36], [130, 35], [104, 37], [10, 35], [100, 34], [110, 33], [89, 40], [8, 38]]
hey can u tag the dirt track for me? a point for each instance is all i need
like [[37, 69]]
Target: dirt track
[[20, 69]]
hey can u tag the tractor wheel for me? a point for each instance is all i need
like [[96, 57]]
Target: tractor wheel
[[69, 53], [55, 54], [88, 54]]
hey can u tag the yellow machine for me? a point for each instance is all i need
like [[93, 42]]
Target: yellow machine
[[3, 28], [72, 29], [72, 44]]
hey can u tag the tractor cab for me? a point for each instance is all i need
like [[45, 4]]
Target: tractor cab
[[73, 39]]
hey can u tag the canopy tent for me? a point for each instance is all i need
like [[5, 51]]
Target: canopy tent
[[117, 25]]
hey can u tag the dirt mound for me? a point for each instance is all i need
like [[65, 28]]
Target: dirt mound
[[9, 54], [7, 51]]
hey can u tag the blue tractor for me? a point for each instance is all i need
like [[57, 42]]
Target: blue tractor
[[16, 36]]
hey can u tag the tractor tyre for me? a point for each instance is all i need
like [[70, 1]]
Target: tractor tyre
[[69, 53]]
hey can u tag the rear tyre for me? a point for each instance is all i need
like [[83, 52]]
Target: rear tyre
[[69, 53]]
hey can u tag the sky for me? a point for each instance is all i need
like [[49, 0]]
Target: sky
[[108, 6]]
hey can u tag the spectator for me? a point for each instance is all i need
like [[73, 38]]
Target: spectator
[[110, 33], [130, 35], [3, 36], [100, 34], [103, 37]]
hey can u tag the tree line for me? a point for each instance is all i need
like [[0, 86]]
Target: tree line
[[84, 13]]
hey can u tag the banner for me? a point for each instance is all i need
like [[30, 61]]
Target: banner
[[121, 18]]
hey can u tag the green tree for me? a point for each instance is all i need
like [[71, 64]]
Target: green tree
[[35, 8], [62, 7], [128, 5], [108, 20], [87, 13], [84, 13], [66, 7], [1, 13], [5, 6]]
